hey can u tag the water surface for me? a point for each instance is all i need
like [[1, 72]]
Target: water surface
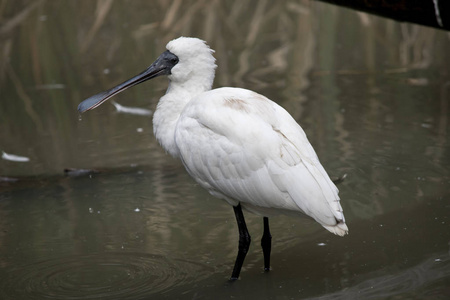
[[372, 95]]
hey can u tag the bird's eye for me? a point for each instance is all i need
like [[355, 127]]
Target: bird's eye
[[173, 59]]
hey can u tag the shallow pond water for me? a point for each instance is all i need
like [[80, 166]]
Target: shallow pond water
[[372, 95]]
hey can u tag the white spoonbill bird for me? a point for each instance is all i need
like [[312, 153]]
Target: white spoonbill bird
[[239, 145]]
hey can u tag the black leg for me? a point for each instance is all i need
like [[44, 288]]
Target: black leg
[[266, 244], [244, 242]]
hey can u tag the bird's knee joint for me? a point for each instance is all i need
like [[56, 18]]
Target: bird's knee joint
[[266, 241], [244, 242]]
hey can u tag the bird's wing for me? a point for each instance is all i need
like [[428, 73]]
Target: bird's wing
[[243, 147]]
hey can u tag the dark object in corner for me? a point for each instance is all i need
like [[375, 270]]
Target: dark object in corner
[[434, 13]]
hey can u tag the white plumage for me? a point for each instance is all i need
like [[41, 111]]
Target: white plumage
[[241, 146], [237, 144]]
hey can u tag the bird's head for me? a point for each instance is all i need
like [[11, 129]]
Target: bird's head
[[195, 59], [186, 59]]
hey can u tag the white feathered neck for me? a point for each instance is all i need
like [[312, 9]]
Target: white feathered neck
[[191, 76]]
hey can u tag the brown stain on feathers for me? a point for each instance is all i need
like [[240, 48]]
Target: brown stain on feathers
[[236, 104]]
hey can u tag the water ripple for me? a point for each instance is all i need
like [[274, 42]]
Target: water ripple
[[100, 276]]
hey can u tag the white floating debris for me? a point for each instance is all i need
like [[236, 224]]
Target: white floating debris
[[91, 210], [132, 110], [321, 244], [106, 71], [140, 129], [137, 210], [16, 158]]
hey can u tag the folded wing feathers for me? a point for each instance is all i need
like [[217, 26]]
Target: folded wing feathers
[[307, 181], [250, 171]]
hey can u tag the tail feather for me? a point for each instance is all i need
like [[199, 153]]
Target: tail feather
[[340, 228]]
